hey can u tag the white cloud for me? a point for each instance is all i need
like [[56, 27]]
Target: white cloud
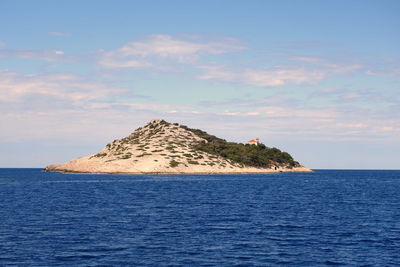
[[139, 54], [84, 118], [389, 73], [16, 86], [281, 77], [282, 117], [307, 59], [315, 124], [352, 95], [2, 44], [263, 78], [69, 106], [47, 55], [111, 60], [341, 68], [277, 76], [283, 113], [217, 73], [364, 96], [328, 66]]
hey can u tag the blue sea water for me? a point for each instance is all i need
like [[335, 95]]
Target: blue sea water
[[329, 217]]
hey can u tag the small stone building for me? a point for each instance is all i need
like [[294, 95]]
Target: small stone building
[[254, 142]]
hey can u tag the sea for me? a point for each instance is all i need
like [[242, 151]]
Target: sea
[[324, 218]]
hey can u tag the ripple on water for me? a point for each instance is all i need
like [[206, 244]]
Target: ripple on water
[[316, 219]]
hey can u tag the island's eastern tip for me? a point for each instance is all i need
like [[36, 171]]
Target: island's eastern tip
[[161, 147]]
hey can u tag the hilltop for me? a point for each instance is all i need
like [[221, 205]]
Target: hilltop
[[166, 148]]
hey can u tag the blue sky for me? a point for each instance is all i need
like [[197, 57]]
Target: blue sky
[[319, 79]]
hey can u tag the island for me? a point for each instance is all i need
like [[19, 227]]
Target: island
[[161, 147]]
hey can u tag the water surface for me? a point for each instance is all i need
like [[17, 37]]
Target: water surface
[[329, 217]]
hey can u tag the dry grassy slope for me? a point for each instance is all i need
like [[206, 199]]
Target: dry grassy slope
[[158, 147]]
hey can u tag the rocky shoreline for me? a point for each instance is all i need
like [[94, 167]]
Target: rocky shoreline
[[260, 171]]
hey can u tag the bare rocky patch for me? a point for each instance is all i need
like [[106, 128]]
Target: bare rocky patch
[[158, 147]]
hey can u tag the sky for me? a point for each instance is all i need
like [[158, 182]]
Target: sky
[[318, 79]]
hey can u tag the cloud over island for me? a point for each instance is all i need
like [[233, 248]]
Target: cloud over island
[[143, 53]]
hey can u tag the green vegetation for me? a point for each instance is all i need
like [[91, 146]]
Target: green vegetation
[[173, 163], [100, 155], [127, 156], [234, 153], [144, 154], [250, 155]]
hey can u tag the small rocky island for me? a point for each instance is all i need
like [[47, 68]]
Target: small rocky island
[[169, 148]]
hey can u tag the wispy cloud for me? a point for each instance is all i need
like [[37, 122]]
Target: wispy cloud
[[327, 124], [366, 96], [73, 104], [283, 116], [47, 55], [389, 73], [67, 106], [62, 105], [262, 78], [315, 70], [140, 54], [266, 78], [2, 44], [16, 86]]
